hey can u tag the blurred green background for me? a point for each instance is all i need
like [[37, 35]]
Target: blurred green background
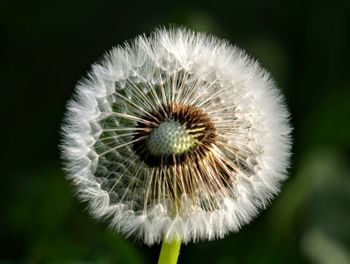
[[45, 48]]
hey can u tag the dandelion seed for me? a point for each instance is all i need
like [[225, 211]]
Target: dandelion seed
[[178, 135]]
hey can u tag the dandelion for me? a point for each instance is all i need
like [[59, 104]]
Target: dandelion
[[178, 136]]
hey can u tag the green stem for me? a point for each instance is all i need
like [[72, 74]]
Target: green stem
[[169, 252]]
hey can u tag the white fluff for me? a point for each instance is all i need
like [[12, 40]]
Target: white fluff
[[240, 97]]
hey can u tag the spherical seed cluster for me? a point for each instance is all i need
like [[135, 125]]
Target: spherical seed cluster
[[197, 130], [169, 138], [176, 135]]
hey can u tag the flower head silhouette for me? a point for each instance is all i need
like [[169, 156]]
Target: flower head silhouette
[[178, 135]]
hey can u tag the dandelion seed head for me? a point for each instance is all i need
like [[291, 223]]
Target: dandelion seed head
[[176, 135]]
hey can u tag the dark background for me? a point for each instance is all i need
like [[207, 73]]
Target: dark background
[[45, 48]]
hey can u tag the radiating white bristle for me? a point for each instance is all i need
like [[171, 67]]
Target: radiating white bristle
[[219, 192]]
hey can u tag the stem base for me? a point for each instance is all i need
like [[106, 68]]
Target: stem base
[[169, 252]]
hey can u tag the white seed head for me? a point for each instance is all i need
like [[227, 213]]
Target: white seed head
[[176, 135]]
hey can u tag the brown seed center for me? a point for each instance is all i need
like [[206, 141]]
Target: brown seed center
[[196, 123]]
